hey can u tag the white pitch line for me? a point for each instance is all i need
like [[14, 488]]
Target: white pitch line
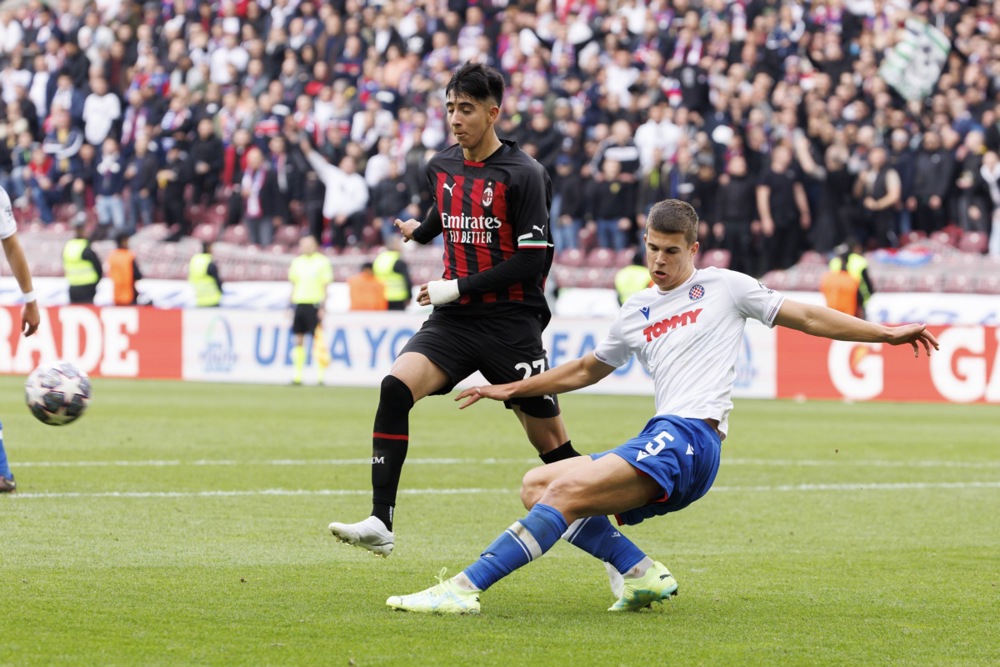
[[783, 488], [494, 461]]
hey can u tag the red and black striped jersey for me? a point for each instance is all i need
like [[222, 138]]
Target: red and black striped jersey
[[494, 218]]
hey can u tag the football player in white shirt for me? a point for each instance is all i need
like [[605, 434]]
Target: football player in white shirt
[[29, 313], [686, 331]]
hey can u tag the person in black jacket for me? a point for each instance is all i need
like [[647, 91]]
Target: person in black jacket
[[205, 161], [140, 179], [736, 209]]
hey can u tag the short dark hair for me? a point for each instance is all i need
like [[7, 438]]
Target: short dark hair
[[478, 82], [673, 216]]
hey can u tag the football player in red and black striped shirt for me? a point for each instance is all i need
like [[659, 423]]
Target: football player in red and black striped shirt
[[492, 207]]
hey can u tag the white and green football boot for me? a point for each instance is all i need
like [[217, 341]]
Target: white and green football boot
[[445, 598], [656, 585]]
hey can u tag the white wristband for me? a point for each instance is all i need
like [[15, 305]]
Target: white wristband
[[29, 297], [442, 291]]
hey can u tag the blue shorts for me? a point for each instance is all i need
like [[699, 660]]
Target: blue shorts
[[681, 455]]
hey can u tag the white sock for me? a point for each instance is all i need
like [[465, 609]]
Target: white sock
[[464, 582], [639, 569]]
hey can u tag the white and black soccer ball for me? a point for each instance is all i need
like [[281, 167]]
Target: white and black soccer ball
[[57, 393]]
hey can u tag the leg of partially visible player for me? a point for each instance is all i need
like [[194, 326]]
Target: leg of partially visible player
[[413, 376], [573, 489], [7, 484], [595, 535]]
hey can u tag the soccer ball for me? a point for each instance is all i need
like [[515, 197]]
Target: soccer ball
[[57, 393]]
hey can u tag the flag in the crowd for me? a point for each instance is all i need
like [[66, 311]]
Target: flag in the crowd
[[913, 66]]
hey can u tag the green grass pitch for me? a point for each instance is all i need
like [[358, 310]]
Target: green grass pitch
[[185, 524]]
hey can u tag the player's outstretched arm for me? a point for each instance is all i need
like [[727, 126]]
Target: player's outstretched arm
[[30, 317], [829, 323], [582, 372]]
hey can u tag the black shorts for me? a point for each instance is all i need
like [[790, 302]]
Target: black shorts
[[504, 349], [306, 318]]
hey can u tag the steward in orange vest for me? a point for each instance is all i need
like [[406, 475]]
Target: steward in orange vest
[[124, 272]]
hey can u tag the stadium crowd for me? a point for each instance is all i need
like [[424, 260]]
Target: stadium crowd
[[769, 117]]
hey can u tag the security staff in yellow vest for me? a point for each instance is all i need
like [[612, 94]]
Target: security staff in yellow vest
[[81, 267], [203, 275], [392, 271], [857, 267], [310, 274], [632, 278]]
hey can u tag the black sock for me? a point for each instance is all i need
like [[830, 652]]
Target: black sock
[[390, 439], [563, 451]]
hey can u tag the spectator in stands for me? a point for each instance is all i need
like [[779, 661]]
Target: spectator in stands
[[902, 159], [109, 183], [66, 97], [932, 181], [737, 211], [611, 205], [203, 276], [988, 186], [289, 172], [783, 209], [234, 162], [205, 159], [392, 200], [123, 269], [879, 190], [367, 292], [260, 198], [81, 267], [63, 142], [568, 204], [170, 180], [346, 198], [140, 181], [101, 111], [619, 147], [42, 179]]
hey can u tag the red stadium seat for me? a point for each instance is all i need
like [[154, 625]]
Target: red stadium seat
[[959, 283], [586, 239], [288, 236], [205, 232], [235, 234], [973, 242], [570, 257], [601, 258], [717, 257]]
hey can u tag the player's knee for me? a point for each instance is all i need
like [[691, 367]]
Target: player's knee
[[563, 493], [533, 486], [395, 395]]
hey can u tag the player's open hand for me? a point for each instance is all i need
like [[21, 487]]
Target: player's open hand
[[916, 335], [406, 228], [498, 392]]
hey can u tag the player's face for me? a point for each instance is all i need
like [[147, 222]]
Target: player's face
[[669, 258], [470, 120]]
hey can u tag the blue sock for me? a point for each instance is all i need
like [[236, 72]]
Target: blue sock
[[598, 537], [520, 544], [4, 468]]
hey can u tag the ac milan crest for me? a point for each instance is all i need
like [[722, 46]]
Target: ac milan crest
[[487, 195]]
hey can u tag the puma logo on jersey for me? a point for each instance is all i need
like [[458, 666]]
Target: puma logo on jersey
[[540, 230], [668, 324], [449, 188]]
